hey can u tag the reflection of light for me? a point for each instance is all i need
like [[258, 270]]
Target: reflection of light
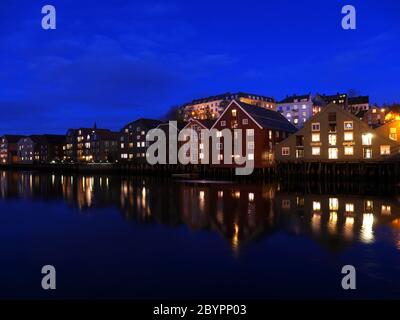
[[220, 194], [235, 238], [201, 196], [333, 218], [367, 234], [333, 204], [369, 205], [251, 196], [316, 222], [386, 210], [316, 206], [348, 227], [236, 195], [53, 177]]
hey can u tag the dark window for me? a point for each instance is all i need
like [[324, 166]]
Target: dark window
[[299, 141], [332, 128], [332, 117]]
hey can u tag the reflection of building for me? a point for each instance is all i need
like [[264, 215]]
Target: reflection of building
[[8, 148], [133, 144], [335, 134], [41, 149], [91, 145], [212, 107], [296, 109], [265, 127]]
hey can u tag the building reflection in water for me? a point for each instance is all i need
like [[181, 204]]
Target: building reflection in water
[[240, 213]]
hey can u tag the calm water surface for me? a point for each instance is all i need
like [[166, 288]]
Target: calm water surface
[[135, 237]]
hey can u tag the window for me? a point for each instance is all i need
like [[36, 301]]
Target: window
[[333, 204], [367, 153], [349, 207], [219, 134], [201, 146], [315, 137], [234, 113], [316, 151], [223, 123], [367, 139], [296, 121], [316, 206], [299, 153], [385, 150], [245, 121], [270, 134], [348, 125], [315, 127], [348, 151], [285, 151], [250, 145], [250, 157], [299, 141], [250, 132], [143, 144], [348, 136], [220, 157], [124, 156], [122, 145], [138, 144], [201, 156], [333, 153], [393, 134], [332, 139], [332, 128]]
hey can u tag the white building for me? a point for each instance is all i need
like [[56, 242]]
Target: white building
[[296, 109]]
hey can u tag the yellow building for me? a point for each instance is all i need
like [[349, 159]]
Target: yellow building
[[338, 136]]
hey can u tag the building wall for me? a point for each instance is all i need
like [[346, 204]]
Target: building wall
[[329, 130], [133, 145], [264, 138], [296, 113], [25, 151], [8, 151], [374, 116]]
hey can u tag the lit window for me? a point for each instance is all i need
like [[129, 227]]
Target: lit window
[[234, 113], [250, 156], [220, 157], [143, 144], [316, 151], [349, 207], [219, 134], [367, 153], [315, 127], [332, 139], [333, 153], [385, 150], [367, 139], [223, 123], [348, 151], [316, 206], [348, 125], [245, 121], [299, 153], [296, 121], [122, 145], [201, 146], [333, 204], [250, 132], [348, 136], [315, 137], [285, 151], [138, 144], [386, 210], [270, 134], [201, 156], [393, 134]]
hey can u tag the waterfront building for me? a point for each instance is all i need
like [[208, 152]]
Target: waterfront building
[[335, 135], [91, 145], [8, 148], [267, 127], [40, 149], [133, 144], [212, 107], [297, 109]]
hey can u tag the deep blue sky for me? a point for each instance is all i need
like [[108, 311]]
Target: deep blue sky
[[114, 61]]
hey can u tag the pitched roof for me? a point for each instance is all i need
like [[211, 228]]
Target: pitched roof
[[229, 96], [268, 118], [358, 100], [145, 122], [12, 138], [299, 98]]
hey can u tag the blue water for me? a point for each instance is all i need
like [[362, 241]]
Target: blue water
[[138, 238]]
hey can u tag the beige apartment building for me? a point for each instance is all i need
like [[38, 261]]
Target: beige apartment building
[[336, 135]]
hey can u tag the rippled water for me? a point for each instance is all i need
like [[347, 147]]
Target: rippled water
[[135, 237]]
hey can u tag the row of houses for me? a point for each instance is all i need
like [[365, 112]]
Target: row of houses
[[332, 133]]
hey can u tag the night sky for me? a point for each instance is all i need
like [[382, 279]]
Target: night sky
[[113, 61]]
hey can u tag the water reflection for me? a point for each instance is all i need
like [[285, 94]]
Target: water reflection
[[239, 213]]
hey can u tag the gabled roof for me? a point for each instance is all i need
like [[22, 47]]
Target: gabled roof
[[206, 124], [299, 98], [265, 118], [45, 139], [12, 138], [145, 122]]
